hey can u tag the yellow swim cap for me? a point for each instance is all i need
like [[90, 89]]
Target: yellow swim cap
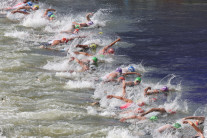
[[36, 6]]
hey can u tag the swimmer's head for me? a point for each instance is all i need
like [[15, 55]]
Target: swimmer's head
[[49, 14], [164, 89], [131, 69], [177, 125], [171, 111], [111, 51], [93, 47], [75, 31], [29, 3], [63, 39], [90, 23], [196, 122], [119, 70], [77, 26], [35, 7], [52, 17], [137, 80], [120, 79], [153, 118], [95, 59], [92, 67]]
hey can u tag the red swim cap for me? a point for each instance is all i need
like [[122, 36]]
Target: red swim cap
[[111, 51], [140, 110], [171, 111], [64, 39], [141, 104], [121, 78]]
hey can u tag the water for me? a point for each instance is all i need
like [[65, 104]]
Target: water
[[164, 40]]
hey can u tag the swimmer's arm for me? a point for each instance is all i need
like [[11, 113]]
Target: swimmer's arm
[[151, 92], [129, 73], [23, 12], [45, 14], [88, 16], [163, 128], [120, 98], [68, 31], [72, 38], [48, 48], [24, 7], [106, 47], [125, 112], [202, 118], [132, 117], [124, 89], [50, 10], [162, 110], [83, 53], [55, 42], [200, 132], [84, 67], [75, 23], [82, 46]]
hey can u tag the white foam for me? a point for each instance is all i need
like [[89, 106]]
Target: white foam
[[79, 85], [91, 110], [35, 20], [57, 66], [120, 133], [18, 34]]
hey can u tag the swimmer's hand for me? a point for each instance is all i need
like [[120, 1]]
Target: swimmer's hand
[[41, 47], [13, 12], [122, 119], [71, 59], [76, 52], [109, 96], [185, 122]]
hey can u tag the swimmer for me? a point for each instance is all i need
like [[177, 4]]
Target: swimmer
[[92, 47], [130, 83], [25, 9], [129, 69], [49, 14], [75, 31], [164, 89], [102, 51], [86, 64], [199, 121], [141, 117], [61, 41], [197, 129], [107, 50], [80, 25], [198, 124], [169, 126], [113, 75], [123, 94], [24, 3]]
